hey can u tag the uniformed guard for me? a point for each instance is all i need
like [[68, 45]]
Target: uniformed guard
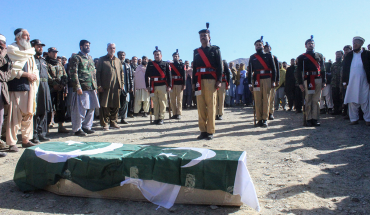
[[178, 85], [160, 83], [207, 78], [267, 50], [263, 68], [311, 66], [43, 98], [58, 80], [222, 91]]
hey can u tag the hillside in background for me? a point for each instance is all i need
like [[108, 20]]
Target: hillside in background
[[241, 60]]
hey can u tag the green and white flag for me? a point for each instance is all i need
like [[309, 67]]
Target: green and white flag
[[97, 166]]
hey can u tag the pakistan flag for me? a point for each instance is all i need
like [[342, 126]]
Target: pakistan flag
[[97, 166]]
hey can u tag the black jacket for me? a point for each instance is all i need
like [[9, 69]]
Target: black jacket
[[152, 71], [213, 54], [290, 79], [255, 65], [310, 66], [180, 68], [365, 56]]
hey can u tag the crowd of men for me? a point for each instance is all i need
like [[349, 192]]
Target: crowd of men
[[39, 88]]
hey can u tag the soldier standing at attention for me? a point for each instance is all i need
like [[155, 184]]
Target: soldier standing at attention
[[160, 83], [207, 78], [336, 85], [222, 91], [311, 65], [267, 50], [58, 81], [178, 85], [262, 66], [84, 98], [43, 98]]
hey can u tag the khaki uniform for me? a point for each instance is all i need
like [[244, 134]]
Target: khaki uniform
[[313, 100], [159, 101], [176, 95], [272, 100], [262, 103], [207, 106], [221, 99]]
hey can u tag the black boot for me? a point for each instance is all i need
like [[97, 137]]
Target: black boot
[[264, 123], [203, 135], [309, 123], [271, 116], [315, 123]]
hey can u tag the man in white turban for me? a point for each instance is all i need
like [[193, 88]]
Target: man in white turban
[[23, 86]]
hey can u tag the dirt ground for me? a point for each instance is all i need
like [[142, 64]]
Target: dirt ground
[[295, 170]]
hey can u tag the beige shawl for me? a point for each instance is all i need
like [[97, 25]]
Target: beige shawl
[[19, 59]]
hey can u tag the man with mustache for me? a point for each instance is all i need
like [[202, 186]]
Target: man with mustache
[[22, 90], [356, 79], [207, 78], [58, 81], [336, 85], [44, 103], [5, 69], [159, 73], [267, 49], [125, 95], [84, 99], [263, 68], [310, 65]]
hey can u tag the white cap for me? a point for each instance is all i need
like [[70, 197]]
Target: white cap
[[359, 38], [2, 37]]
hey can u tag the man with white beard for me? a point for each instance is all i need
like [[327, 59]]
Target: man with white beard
[[22, 90], [356, 79]]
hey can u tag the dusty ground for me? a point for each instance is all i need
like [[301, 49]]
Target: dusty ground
[[296, 170]]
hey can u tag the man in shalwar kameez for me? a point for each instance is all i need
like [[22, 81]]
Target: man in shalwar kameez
[[23, 86], [356, 80]]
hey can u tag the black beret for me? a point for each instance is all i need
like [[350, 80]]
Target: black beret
[[82, 42]]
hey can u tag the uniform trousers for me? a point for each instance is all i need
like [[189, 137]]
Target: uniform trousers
[[141, 96], [312, 100], [280, 96], [17, 119], [261, 99], [176, 99], [326, 96], [206, 103], [272, 101], [221, 99], [159, 101]]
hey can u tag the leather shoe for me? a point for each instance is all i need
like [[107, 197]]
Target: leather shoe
[[264, 123], [308, 123], [35, 140], [271, 117], [259, 123], [88, 131], [62, 130], [80, 133], [123, 121], [178, 117], [160, 122], [315, 123], [174, 117], [13, 148], [145, 115], [2, 154], [43, 139], [203, 135], [28, 144], [209, 136], [219, 117], [354, 123]]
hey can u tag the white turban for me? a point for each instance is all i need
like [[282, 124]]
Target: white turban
[[359, 38], [2, 37]]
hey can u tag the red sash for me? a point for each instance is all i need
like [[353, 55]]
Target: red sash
[[198, 86], [173, 67], [310, 78], [258, 75], [225, 80], [152, 78]]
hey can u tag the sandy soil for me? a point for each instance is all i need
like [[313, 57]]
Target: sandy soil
[[296, 170]]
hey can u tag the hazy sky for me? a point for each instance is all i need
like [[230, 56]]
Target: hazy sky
[[138, 26]]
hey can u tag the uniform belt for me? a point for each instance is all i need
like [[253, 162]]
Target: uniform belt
[[158, 79], [206, 70], [43, 80], [263, 71], [311, 73], [176, 77]]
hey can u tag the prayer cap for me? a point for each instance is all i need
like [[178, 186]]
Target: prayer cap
[[359, 38], [2, 37], [17, 31]]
